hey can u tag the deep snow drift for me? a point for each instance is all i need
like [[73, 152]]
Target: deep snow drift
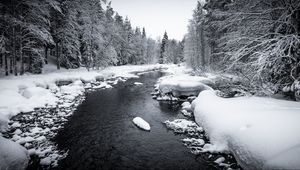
[[262, 133]]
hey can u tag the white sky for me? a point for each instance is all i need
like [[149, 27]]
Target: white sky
[[158, 15]]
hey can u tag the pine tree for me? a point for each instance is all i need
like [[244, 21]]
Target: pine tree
[[163, 47]]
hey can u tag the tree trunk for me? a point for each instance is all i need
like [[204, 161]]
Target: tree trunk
[[57, 56], [202, 39], [298, 21], [1, 60], [46, 55], [11, 70], [6, 64], [21, 59], [14, 53]]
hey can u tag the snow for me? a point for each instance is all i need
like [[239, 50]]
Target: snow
[[186, 106], [183, 85], [193, 141], [219, 160], [45, 161], [183, 126], [262, 133], [138, 83], [12, 155], [141, 123]]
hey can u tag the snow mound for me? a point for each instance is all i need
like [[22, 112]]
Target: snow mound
[[262, 133], [141, 123], [12, 155], [184, 85]]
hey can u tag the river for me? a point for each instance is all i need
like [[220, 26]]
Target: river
[[101, 135]]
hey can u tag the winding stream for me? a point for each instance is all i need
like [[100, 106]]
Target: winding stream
[[101, 135]]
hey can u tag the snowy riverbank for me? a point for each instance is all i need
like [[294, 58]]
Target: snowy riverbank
[[261, 132], [43, 103]]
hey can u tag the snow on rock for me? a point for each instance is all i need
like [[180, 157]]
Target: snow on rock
[[183, 126], [103, 85], [12, 155], [262, 133], [141, 123], [186, 113], [186, 106], [193, 142], [183, 85], [138, 83], [45, 161]]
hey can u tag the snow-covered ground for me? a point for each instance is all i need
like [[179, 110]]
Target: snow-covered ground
[[262, 133]]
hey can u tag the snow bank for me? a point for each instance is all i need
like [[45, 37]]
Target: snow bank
[[184, 85], [262, 133], [141, 123], [12, 155]]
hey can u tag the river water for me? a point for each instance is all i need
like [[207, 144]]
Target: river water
[[101, 135]]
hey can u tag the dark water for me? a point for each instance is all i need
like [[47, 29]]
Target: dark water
[[101, 134]]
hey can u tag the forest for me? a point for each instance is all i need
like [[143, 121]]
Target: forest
[[76, 34], [83, 87], [257, 40]]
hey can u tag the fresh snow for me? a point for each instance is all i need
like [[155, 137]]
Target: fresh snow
[[141, 123], [183, 85], [262, 133], [12, 155], [138, 83], [183, 126]]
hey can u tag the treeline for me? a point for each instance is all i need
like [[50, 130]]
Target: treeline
[[77, 33], [258, 40], [171, 51]]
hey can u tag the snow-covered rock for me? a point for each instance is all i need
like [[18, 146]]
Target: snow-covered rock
[[141, 123], [138, 83], [184, 85], [186, 106], [183, 126], [262, 133], [12, 155]]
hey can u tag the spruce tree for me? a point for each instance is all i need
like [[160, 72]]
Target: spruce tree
[[163, 47]]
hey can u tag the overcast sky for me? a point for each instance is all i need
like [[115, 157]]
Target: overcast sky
[[158, 15]]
